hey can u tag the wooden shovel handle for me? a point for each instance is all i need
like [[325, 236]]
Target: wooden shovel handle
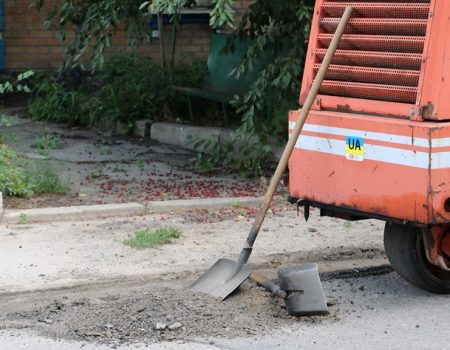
[[282, 164], [268, 284]]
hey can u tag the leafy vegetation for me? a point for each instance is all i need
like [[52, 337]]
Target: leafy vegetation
[[279, 28], [46, 142], [147, 238], [95, 21], [13, 178], [24, 179], [129, 87]]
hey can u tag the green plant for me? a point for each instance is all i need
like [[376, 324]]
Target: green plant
[[19, 84], [245, 153], [147, 237], [133, 87], [95, 175], [13, 178], [20, 178], [44, 178], [127, 88], [5, 120], [46, 142], [23, 218], [95, 21], [118, 167], [54, 101]]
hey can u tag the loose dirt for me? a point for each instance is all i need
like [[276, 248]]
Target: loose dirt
[[131, 311]]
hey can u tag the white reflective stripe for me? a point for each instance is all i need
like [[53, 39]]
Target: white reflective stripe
[[398, 139], [373, 152], [440, 160]]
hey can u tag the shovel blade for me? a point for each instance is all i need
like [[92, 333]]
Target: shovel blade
[[222, 279]]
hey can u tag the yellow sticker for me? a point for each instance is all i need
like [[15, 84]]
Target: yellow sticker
[[354, 148]]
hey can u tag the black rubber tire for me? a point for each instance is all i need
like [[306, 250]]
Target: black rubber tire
[[405, 251]]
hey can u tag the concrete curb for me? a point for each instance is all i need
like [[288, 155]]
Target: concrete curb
[[208, 203], [181, 135], [68, 213], [21, 216]]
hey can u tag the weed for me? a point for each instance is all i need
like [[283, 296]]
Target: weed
[[347, 224], [106, 150], [147, 238], [22, 218], [13, 178], [236, 204], [140, 164], [118, 167], [26, 178], [46, 143], [5, 120], [43, 178], [10, 138], [95, 175]]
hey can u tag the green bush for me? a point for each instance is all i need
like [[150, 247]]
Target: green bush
[[129, 87], [13, 179], [24, 179], [53, 100]]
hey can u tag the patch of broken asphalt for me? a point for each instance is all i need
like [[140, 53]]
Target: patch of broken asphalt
[[165, 311]]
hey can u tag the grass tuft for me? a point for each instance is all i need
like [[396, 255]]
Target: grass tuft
[[147, 238]]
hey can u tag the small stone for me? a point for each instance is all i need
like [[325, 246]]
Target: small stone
[[160, 326], [311, 229], [175, 326], [45, 320], [109, 326]]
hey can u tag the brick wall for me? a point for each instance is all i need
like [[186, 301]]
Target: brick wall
[[28, 45]]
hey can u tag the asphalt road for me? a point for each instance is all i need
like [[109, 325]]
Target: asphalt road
[[373, 312]]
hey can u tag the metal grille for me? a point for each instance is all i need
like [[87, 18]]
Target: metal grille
[[380, 54]]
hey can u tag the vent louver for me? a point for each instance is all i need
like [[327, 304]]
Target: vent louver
[[381, 52]]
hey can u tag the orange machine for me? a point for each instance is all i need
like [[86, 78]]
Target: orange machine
[[377, 144]]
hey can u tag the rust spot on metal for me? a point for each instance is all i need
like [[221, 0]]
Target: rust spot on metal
[[428, 111], [331, 174], [345, 107]]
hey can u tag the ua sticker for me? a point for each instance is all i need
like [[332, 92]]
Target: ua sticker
[[354, 148]]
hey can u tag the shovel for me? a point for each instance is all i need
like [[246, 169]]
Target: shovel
[[300, 288], [225, 276]]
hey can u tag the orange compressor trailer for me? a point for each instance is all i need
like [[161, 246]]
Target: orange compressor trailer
[[377, 142]]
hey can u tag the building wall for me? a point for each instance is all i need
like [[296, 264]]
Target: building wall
[[29, 45]]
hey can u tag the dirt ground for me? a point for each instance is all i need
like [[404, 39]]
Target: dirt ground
[[128, 312], [77, 281]]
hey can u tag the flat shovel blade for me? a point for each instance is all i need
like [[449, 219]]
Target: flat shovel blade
[[221, 279]]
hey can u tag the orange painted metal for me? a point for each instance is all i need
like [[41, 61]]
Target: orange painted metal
[[377, 142], [408, 41], [404, 173]]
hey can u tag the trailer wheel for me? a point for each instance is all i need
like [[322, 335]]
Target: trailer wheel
[[405, 251]]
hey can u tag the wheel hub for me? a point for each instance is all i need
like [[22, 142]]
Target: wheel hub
[[437, 246], [445, 246]]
